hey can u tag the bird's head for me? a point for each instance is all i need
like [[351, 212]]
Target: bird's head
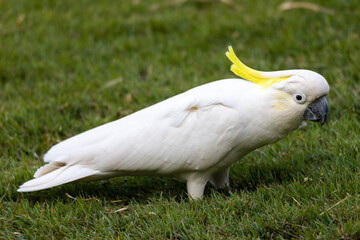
[[303, 91]]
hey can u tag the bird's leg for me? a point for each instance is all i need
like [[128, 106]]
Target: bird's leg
[[196, 185], [220, 179]]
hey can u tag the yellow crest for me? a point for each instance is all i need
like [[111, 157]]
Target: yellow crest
[[250, 74]]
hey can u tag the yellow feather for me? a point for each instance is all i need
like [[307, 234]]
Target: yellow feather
[[250, 74], [283, 100]]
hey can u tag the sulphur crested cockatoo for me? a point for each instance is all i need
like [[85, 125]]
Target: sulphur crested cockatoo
[[196, 135]]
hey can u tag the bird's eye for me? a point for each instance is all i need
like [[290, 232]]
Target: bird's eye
[[299, 98]]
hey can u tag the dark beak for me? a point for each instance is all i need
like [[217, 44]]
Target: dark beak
[[317, 111]]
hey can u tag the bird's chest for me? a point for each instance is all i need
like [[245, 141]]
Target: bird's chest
[[260, 132]]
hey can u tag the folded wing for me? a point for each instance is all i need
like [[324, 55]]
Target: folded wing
[[189, 132]]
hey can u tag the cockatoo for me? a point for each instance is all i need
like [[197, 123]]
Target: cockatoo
[[195, 136]]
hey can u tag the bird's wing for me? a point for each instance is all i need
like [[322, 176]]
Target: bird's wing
[[191, 131]]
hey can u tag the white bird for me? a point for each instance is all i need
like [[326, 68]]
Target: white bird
[[196, 135]]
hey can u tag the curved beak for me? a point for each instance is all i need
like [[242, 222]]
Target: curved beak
[[317, 111]]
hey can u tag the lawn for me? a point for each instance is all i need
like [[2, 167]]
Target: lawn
[[68, 66]]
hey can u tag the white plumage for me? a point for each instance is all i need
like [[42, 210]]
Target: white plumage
[[195, 136]]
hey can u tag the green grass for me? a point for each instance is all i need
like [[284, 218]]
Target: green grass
[[68, 66]]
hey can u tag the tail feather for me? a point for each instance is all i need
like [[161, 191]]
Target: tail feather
[[48, 168], [53, 175]]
